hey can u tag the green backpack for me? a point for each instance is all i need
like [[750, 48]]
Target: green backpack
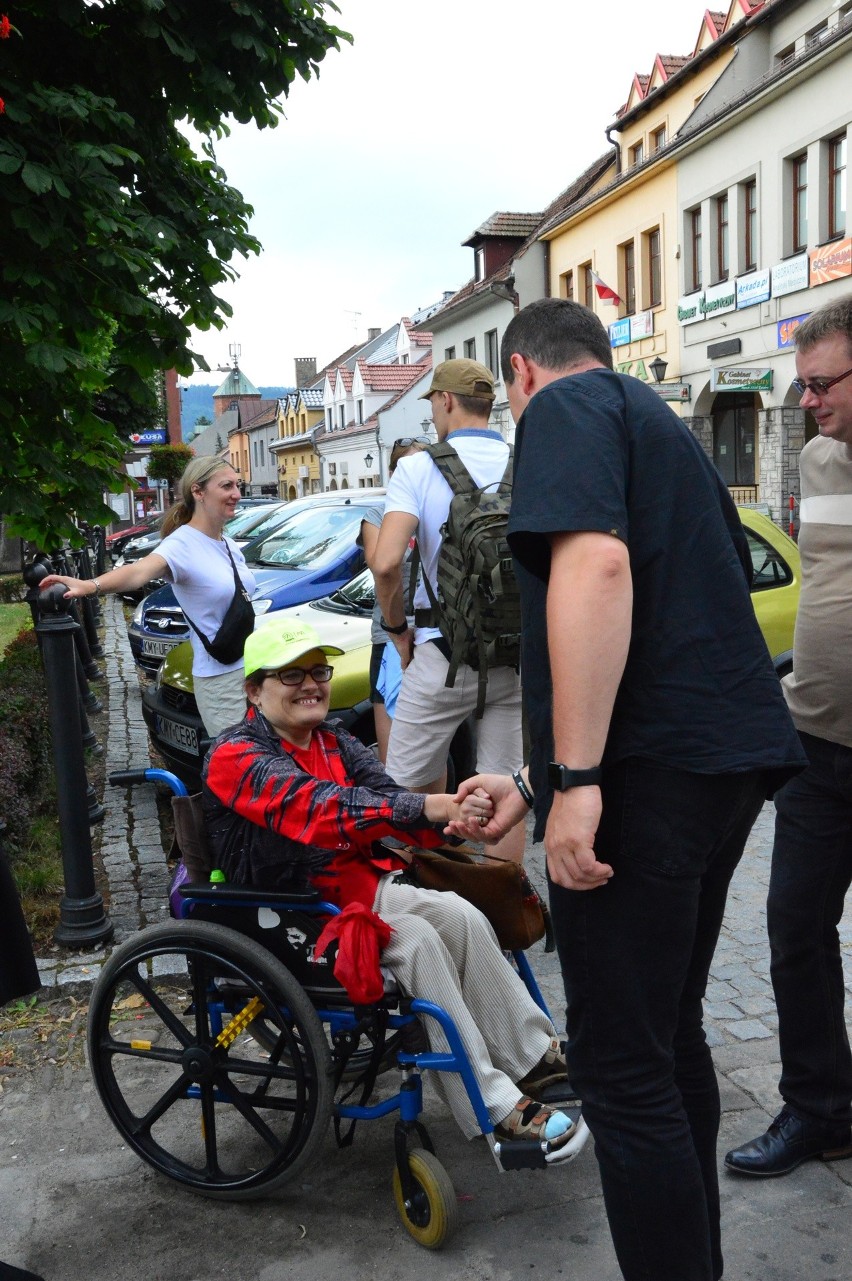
[[478, 605]]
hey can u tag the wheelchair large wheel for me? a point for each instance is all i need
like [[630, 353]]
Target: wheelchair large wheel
[[186, 1086], [432, 1214]]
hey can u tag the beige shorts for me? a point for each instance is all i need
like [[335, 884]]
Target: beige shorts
[[221, 700], [427, 715]]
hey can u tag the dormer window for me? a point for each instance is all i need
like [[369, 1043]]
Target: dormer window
[[479, 260]]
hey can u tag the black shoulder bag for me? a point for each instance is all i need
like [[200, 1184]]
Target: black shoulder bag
[[236, 627]]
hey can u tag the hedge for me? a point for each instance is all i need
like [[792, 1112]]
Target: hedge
[[24, 737]]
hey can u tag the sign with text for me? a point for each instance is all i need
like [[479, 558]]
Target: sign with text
[[642, 325], [741, 380], [790, 275], [753, 288], [619, 332], [689, 308], [787, 330], [148, 437], [831, 262], [719, 298], [673, 391]]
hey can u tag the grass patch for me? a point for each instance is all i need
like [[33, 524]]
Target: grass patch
[[13, 619], [39, 875]]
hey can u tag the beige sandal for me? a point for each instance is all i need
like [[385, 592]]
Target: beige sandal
[[530, 1120]]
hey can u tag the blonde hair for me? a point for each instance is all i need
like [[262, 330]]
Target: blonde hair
[[198, 472]]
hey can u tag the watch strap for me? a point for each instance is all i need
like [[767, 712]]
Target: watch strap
[[561, 778]]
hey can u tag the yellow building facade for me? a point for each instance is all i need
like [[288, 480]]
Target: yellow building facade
[[626, 233], [298, 462]]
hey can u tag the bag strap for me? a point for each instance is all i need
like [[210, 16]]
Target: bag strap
[[238, 587]]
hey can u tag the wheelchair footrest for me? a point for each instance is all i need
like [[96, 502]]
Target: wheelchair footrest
[[531, 1154]]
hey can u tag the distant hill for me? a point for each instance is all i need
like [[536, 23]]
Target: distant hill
[[196, 401]]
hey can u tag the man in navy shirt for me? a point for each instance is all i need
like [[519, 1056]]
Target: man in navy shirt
[[658, 729]]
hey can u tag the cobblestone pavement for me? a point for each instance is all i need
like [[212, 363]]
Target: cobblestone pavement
[[74, 1200]]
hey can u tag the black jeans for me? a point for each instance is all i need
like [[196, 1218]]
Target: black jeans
[[635, 957], [811, 872]]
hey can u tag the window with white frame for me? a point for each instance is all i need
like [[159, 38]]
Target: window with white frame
[[492, 352]]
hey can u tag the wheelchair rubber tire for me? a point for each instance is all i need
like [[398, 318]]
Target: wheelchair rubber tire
[[433, 1217], [261, 1120]]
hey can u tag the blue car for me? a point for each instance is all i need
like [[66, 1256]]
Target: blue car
[[310, 554]]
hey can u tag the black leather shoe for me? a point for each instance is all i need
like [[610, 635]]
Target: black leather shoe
[[787, 1143]]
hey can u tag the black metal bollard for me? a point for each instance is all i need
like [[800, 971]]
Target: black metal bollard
[[86, 607], [88, 571], [99, 545], [82, 919], [88, 697]]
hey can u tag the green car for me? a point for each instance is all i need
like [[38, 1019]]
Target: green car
[[343, 619]]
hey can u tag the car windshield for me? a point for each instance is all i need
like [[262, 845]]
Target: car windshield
[[252, 518], [265, 524], [309, 539], [359, 591]]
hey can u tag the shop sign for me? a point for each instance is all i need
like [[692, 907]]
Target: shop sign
[[787, 330], [689, 308], [673, 391], [148, 437], [619, 332], [719, 298], [831, 262], [642, 325], [753, 288], [790, 275], [741, 380]]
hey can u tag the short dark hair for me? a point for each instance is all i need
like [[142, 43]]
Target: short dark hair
[[556, 333], [833, 318], [476, 406]]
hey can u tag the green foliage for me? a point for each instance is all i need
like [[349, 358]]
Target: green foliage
[[116, 235], [168, 462], [24, 737]]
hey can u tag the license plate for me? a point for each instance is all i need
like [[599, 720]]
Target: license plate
[[157, 648], [183, 736]]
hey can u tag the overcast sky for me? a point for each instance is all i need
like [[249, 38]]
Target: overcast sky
[[440, 113]]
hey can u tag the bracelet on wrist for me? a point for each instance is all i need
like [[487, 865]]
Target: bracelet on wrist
[[97, 587], [393, 631], [521, 784]]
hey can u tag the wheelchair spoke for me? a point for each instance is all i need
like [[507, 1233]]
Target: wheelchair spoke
[[176, 1091], [191, 1089]]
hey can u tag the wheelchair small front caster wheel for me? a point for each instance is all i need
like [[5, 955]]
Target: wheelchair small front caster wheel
[[431, 1215]]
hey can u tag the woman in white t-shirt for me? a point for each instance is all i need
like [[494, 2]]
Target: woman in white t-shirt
[[201, 564]]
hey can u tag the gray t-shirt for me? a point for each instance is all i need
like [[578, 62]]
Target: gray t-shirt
[[373, 516]]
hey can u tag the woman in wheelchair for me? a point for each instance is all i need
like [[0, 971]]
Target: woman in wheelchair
[[291, 799]]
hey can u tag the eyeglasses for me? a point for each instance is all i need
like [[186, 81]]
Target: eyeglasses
[[405, 441], [819, 386], [295, 675]]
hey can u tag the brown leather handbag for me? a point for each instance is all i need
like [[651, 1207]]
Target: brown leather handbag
[[500, 889]]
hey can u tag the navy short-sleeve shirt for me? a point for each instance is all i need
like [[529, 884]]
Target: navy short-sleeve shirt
[[600, 451]]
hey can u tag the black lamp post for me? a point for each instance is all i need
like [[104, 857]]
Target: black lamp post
[[368, 461], [658, 368]]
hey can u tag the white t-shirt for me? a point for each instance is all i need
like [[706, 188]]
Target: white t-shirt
[[203, 582], [418, 489]]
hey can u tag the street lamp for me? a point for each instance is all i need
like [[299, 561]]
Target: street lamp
[[658, 368], [368, 461]]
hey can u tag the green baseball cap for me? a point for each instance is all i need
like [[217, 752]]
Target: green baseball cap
[[464, 377], [278, 643]]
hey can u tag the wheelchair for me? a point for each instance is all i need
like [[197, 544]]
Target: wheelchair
[[223, 1050]]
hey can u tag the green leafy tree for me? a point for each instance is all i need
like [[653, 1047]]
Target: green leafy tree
[[169, 462], [202, 421], [116, 234]]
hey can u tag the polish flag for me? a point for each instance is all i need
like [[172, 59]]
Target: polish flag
[[604, 292]]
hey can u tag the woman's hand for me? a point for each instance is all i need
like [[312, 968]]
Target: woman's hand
[[508, 807], [76, 586], [473, 811]]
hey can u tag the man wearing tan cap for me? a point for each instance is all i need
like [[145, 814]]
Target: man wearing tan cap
[[427, 713]]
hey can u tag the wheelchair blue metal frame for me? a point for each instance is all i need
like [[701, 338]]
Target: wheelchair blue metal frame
[[408, 1101]]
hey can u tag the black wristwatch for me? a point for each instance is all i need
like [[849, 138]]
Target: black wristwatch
[[393, 631], [561, 778]]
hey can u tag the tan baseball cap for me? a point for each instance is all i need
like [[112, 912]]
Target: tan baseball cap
[[464, 378]]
